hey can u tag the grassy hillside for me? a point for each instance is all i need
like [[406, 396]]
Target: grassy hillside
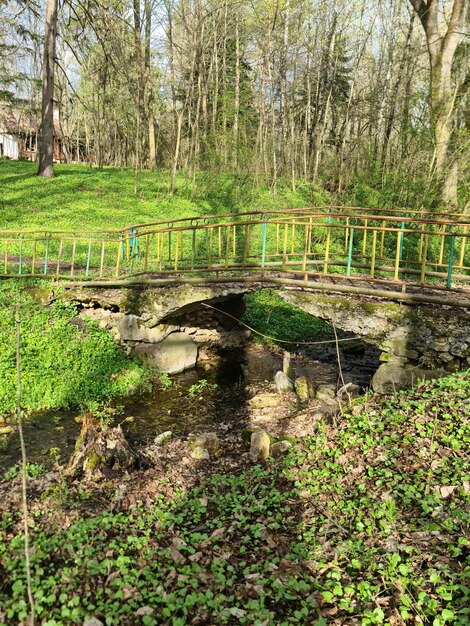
[[65, 362], [82, 197]]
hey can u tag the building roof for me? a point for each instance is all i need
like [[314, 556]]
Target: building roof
[[15, 121]]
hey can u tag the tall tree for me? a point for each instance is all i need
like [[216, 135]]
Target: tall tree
[[442, 39], [46, 145]]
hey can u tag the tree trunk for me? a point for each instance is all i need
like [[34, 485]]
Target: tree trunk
[[149, 87], [46, 145], [237, 95], [442, 41]]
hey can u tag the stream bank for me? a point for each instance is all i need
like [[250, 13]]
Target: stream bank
[[206, 398]]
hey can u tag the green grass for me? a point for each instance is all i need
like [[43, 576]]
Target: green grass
[[65, 361], [272, 316], [356, 526], [80, 197]]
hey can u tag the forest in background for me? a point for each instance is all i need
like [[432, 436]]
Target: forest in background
[[305, 91]]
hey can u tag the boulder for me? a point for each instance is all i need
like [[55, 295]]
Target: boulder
[[176, 353], [329, 406], [304, 388], [199, 453], [259, 446], [163, 438], [280, 448], [348, 392], [326, 391], [265, 400], [283, 383], [392, 377], [283, 426], [201, 446], [131, 328]]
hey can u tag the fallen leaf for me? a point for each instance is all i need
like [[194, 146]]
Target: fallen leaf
[[447, 490], [144, 610], [176, 555]]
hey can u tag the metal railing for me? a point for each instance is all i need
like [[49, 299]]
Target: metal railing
[[407, 247]]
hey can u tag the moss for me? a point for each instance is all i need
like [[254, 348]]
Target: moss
[[94, 460], [41, 295], [133, 301], [246, 435], [346, 303], [247, 432]]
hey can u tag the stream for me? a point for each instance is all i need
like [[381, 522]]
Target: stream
[[195, 399]]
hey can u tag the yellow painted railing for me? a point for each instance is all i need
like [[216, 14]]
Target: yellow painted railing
[[397, 246]]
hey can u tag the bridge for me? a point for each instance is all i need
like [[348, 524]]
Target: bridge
[[397, 279], [401, 255]]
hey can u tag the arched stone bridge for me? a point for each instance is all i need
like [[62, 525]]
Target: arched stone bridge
[[416, 338], [397, 278]]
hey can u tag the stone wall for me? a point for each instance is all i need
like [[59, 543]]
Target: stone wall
[[415, 340], [151, 325]]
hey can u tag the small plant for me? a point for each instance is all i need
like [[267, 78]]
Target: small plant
[[201, 386], [165, 381], [34, 470]]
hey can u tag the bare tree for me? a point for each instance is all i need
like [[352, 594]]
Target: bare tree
[[46, 146], [442, 39]]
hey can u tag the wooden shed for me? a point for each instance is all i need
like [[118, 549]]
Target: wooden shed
[[19, 135]]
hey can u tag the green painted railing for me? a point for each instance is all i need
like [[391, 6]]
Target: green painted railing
[[399, 246]]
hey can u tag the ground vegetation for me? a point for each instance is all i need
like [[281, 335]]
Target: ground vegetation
[[365, 522]]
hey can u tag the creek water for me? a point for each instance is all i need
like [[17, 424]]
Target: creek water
[[195, 399]]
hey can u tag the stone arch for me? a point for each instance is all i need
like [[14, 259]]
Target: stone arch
[[415, 340]]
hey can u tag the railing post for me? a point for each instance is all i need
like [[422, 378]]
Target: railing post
[[396, 272], [443, 239], [264, 229], [451, 261], [193, 243], [374, 246], [327, 246], [46, 258], [227, 244], [423, 259], [59, 254], [350, 250], [209, 248], [364, 238], [402, 238], [20, 258], [87, 270], [134, 247], [170, 225], [462, 249]]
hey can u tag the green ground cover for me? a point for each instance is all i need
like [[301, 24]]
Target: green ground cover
[[80, 197], [272, 316], [366, 522], [66, 361]]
